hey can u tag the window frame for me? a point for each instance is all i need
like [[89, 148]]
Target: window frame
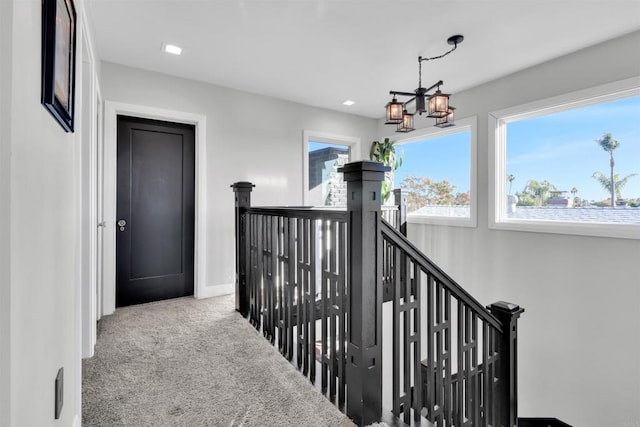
[[327, 138], [498, 163], [461, 125]]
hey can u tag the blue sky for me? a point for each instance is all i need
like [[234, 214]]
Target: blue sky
[[561, 148], [445, 157], [313, 146]]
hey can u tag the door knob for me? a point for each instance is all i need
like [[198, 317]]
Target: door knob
[[121, 224]]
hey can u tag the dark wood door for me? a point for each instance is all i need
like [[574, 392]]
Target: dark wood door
[[155, 210]]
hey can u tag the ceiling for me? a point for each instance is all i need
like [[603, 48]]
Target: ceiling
[[323, 52]]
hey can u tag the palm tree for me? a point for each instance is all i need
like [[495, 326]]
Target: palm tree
[[618, 183], [608, 144], [574, 191], [510, 178]]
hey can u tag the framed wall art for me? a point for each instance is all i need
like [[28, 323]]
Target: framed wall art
[[59, 60]]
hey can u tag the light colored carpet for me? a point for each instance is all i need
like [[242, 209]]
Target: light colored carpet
[[188, 362]]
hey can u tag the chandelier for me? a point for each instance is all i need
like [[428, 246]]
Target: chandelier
[[436, 104]]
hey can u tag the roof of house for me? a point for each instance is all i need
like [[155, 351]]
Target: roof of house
[[621, 215]]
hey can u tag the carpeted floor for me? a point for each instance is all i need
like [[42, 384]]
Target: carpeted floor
[[188, 362]]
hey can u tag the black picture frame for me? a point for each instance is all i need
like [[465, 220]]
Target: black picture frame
[[59, 60]]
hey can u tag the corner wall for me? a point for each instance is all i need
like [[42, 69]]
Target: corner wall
[[579, 338], [38, 191], [6, 38], [248, 138]]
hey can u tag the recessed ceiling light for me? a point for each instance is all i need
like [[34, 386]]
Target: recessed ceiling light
[[171, 48], [348, 102]]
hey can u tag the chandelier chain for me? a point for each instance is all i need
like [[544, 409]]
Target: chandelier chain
[[439, 56], [420, 59]]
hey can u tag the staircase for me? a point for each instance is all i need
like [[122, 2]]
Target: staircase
[[322, 285]]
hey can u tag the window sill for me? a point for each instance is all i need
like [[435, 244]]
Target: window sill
[[618, 231], [442, 220]]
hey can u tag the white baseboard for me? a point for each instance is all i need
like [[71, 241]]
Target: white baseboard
[[216, 291]]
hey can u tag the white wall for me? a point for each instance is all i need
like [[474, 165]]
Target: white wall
[[248, 138], [39, 217], [6, 28], [579, 339]]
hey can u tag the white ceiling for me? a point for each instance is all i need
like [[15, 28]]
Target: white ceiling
[[322, 52]]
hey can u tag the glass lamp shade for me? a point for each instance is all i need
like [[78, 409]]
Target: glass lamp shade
[[438, 104], [446, 121], [394, 112], [407, 123]]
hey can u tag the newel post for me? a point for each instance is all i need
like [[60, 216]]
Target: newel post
[[508, 315], [364, 258], [400, 199], [242, 191]]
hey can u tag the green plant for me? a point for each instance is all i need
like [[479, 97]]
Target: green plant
[[618, 182], [385, 153]]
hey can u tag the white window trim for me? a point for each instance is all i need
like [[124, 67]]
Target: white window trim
[[470, 124], [497, 160], [327, 138]]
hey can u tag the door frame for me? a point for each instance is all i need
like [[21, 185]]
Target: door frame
[[88, 141], [112, 110]]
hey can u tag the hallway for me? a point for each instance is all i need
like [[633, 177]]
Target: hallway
[[188, 362]]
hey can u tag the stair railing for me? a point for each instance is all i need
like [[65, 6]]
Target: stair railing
[[396, 213], [468, 375], [297, 267], [291, 275]]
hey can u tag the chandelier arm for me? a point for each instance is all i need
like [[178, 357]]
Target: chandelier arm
[[433, 86], [413, 94], [395, 92], [409, 101]]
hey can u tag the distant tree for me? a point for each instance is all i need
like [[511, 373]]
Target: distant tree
[[525, 199], [574, 191], [618, 183], [535, 193], [608, 144], [423, 191], [462, 199]]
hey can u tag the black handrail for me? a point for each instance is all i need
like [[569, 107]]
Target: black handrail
[[398, 239], [300, 212]]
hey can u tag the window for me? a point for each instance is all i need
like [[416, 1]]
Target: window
[[554, 162], [323, 155], [438, 174]]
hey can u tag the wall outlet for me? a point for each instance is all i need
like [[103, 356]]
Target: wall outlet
[[59, 387]]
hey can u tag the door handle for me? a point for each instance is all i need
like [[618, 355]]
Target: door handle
[[122, 224]]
